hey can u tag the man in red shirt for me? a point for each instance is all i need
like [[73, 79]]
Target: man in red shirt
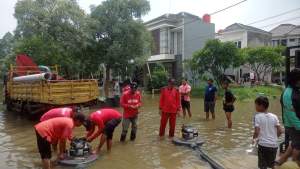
[[55, 130], [106, 120], [59, 112], [131, 102], [169, 107]]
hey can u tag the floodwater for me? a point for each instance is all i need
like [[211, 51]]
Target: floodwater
[[228, 147]]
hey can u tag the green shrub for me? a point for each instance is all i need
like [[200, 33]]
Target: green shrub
[[244, 93], [159, 78]]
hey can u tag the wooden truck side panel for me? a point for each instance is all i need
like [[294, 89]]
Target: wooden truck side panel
[[55, 92]]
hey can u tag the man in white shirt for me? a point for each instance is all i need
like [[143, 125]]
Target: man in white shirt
[[267, 130]]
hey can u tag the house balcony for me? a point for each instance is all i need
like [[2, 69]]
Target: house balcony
[[162, 58]]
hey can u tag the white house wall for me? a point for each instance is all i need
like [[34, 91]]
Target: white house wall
[[235, 37]]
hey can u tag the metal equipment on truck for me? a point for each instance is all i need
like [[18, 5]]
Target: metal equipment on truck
[[34, 89]]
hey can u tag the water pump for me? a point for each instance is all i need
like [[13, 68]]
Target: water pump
[[189, 132], [80, 153], [79, 147]]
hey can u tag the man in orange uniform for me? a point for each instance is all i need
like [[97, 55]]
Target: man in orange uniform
[[169, 107], [106, 120], [131, 102], [55, 130]]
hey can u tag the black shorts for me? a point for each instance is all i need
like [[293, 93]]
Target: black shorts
[[110, 127], [266, 157], [209, 107], [185, 104], [228, 108], [44, 146], [295, 138]]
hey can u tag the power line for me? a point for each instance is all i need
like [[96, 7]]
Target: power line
[[274, 16], [205, 36], [281, 22], [209, 35], [228, 7], [261, 20], [197, 19]]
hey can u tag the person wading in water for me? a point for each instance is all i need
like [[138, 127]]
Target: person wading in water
[[169, 107]]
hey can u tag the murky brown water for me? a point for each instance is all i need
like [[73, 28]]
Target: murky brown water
[[228, 147]]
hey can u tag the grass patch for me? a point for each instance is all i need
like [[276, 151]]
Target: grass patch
[[244, 93]]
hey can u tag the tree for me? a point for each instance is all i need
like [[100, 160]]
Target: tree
[[54, 32], [6, 44], [122, 38], [264, 60], [215, 58], [6, 47]]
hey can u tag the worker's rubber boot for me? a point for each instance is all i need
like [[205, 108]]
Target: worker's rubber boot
[[123, 137], [132, 136]]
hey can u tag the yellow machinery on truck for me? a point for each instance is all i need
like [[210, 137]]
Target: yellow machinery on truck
[[38, 92]]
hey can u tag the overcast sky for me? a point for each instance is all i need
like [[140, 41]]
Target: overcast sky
[[247, 12]]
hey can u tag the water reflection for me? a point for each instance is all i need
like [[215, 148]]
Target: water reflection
[[18, 144]]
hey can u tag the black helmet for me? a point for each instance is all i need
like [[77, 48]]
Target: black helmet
[[133, 85]]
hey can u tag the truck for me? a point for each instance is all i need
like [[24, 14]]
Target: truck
[[36, 89]]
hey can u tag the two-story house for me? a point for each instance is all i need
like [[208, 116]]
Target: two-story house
[[288, 35], [244, 36], [176, 37]]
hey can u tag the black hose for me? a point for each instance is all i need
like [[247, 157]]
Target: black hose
[[208, 159]]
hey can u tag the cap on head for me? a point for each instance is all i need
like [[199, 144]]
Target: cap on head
[[133, 85]]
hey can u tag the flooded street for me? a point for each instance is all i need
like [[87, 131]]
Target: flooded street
[[228, 147]]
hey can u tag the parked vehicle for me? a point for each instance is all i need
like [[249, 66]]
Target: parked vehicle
[[28, 89]]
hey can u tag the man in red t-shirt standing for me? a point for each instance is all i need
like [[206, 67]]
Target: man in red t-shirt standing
[[169, 107], [131, 102]]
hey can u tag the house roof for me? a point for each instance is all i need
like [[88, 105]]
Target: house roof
[[171, 17], [285, 29], [295, 31], [239, 26]]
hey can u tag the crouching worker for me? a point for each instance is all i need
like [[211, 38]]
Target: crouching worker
[[56, 130], [106, 120], [59, 112], [131, 102]]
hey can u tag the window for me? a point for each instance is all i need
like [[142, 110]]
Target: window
[[292, 40], [275, 42], [156, 39], [179, 43], [283, 42], [238, 44], [164, 41], [172, 43]]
